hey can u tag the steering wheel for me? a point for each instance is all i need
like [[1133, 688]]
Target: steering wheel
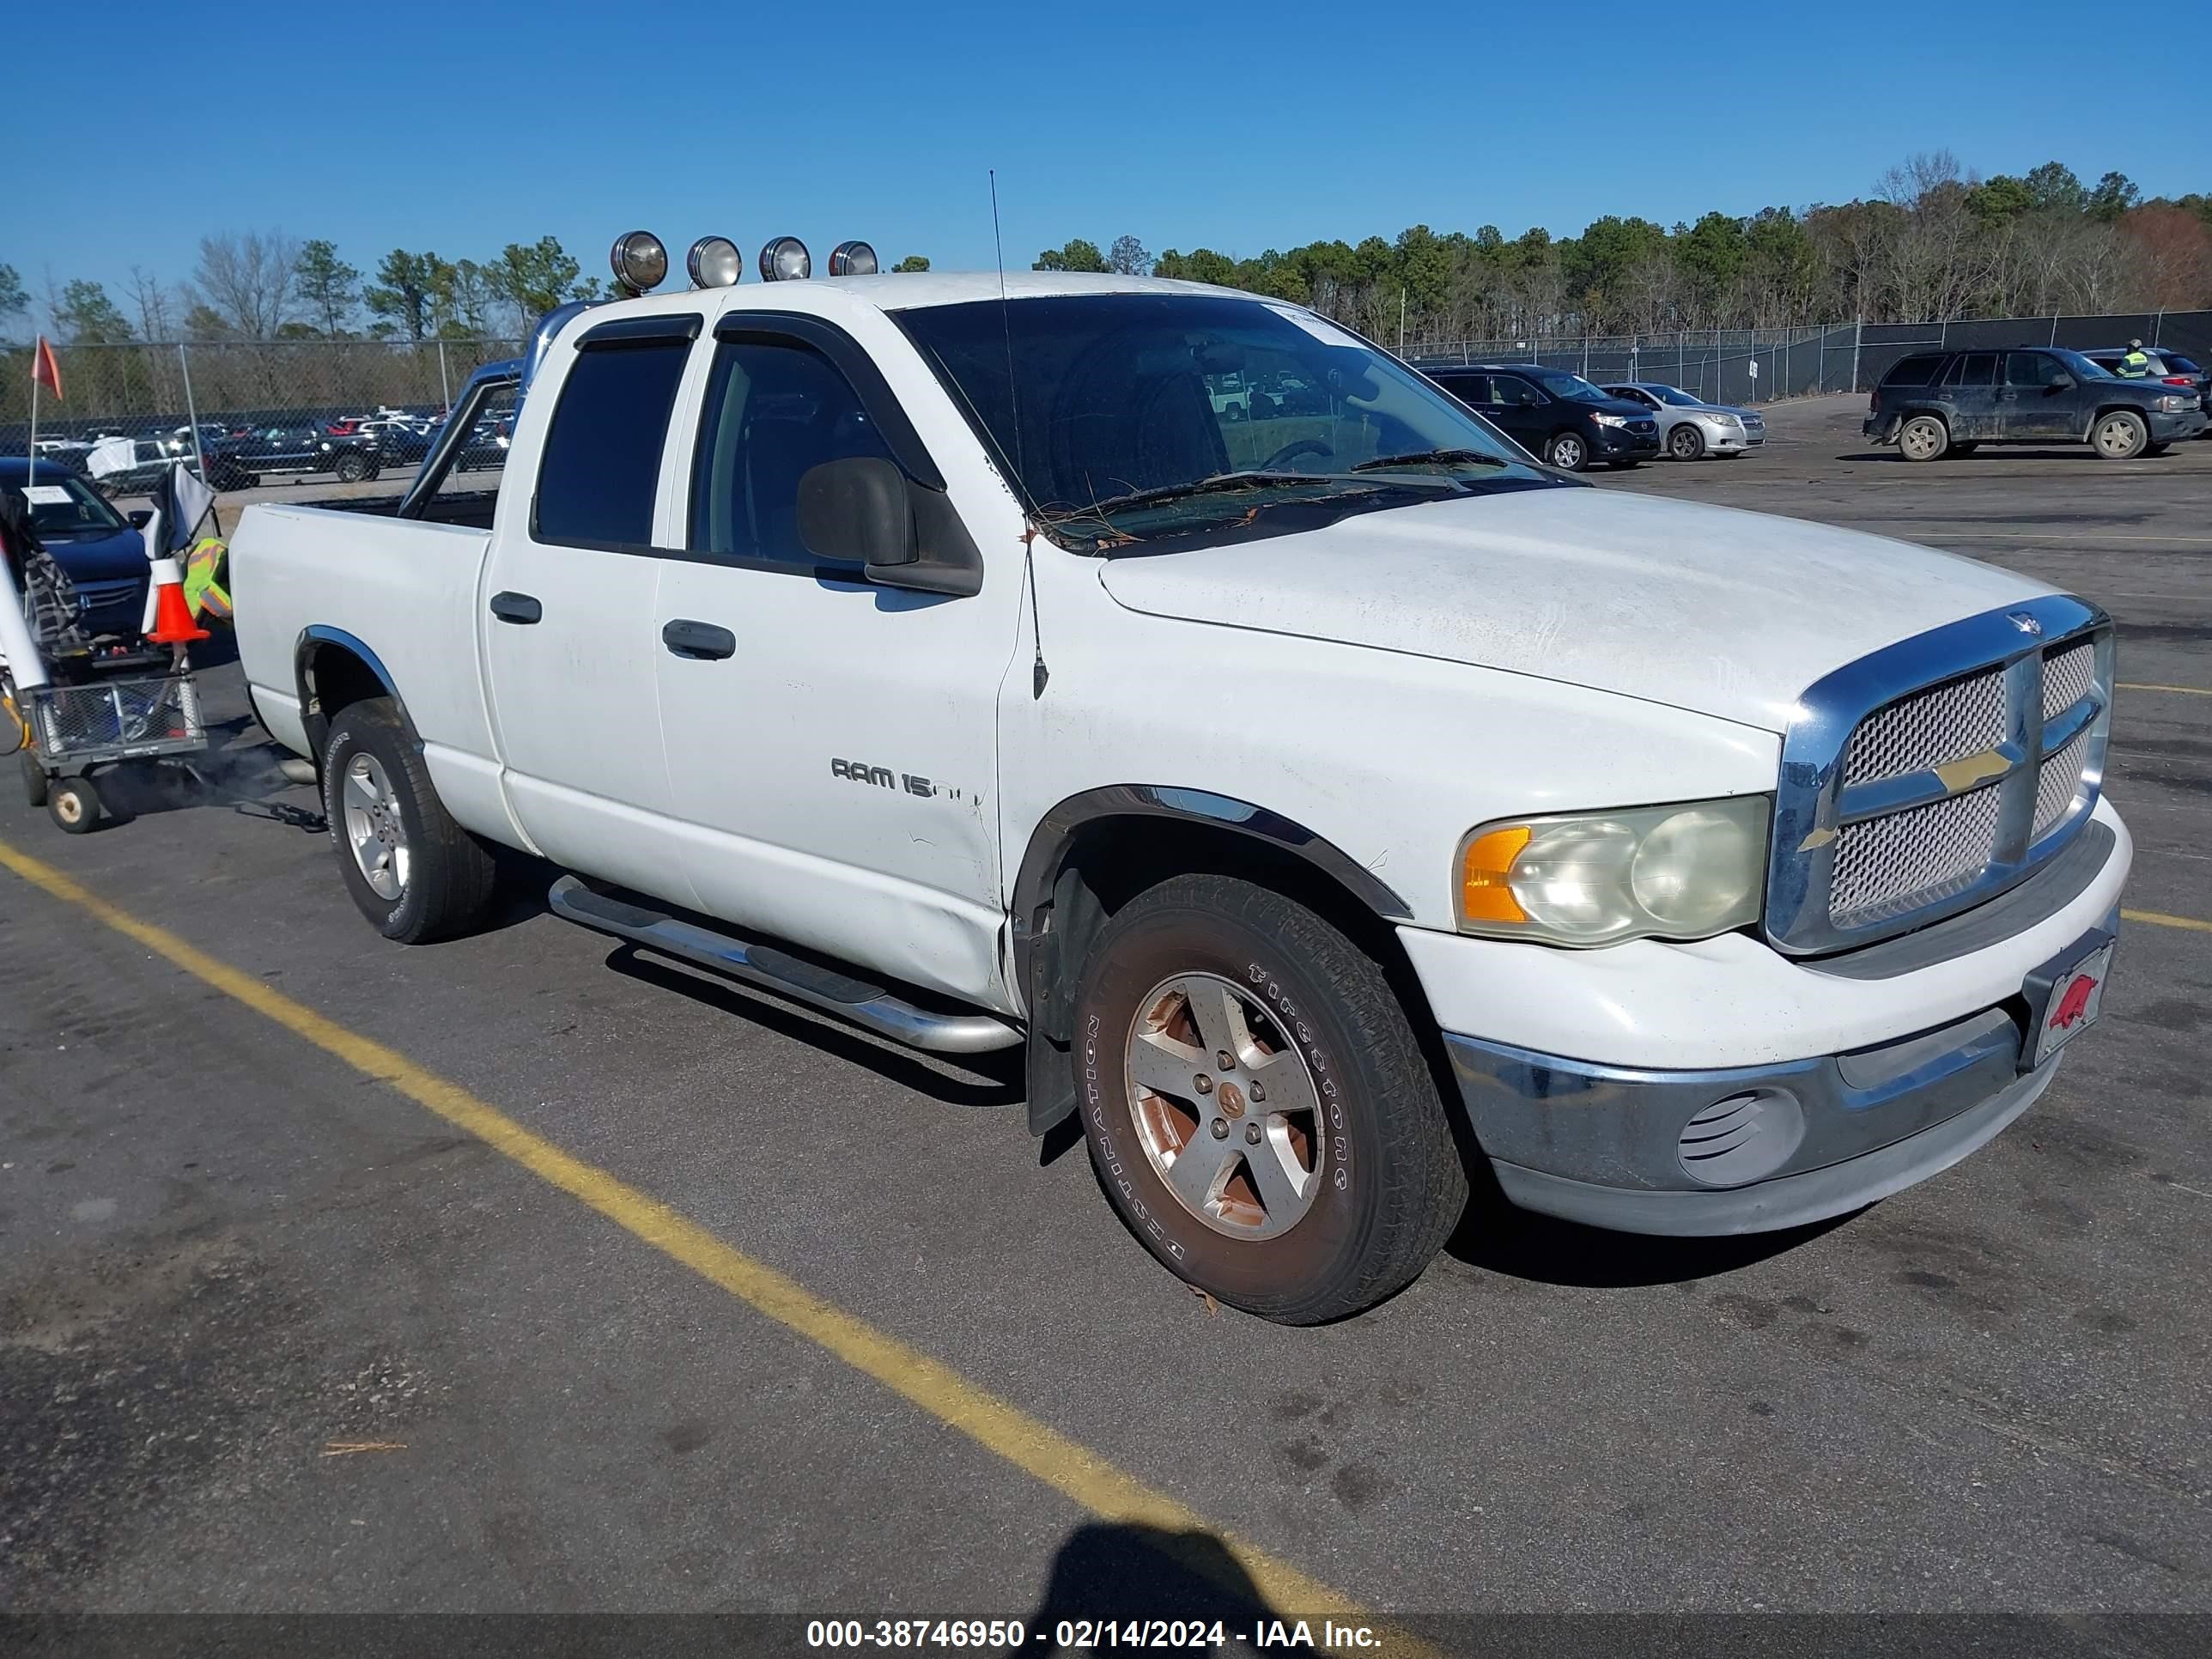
[[1291, 451]]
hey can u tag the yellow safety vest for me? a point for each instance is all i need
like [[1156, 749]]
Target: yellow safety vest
[[206, 569]]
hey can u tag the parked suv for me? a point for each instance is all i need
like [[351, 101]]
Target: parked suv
[[1934, 404], [1559, 416]]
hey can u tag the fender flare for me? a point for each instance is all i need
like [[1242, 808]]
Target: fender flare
[[1056, 831], [316, 723]]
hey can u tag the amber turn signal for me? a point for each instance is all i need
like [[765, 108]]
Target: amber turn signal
[[1484, 895]]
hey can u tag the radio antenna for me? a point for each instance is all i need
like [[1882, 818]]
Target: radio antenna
[[1038, 672]]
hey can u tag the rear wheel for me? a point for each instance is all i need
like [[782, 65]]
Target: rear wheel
[[1922, 438], [414, 873], [2119, 434], [1567, 451], [1257, 1106], [351, 469], [1685, 442]]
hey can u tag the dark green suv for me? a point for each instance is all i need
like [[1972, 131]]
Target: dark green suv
[[1934, 404]]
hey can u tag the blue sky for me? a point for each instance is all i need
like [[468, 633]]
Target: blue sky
[[461, 127]]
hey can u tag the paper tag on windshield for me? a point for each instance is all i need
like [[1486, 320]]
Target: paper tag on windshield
[[45, 495], [1320, 328]]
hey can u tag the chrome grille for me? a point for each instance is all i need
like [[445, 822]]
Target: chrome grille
[[1885, 866], [1876, 829], [2057, 783], [1928, 729], [2066, 673]]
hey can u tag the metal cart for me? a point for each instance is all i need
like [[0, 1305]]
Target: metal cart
[[122, 716]]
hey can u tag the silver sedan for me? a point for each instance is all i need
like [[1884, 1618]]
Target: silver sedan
[[1690, 427]]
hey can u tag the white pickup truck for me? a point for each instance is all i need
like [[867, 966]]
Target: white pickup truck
[[1341, 807]]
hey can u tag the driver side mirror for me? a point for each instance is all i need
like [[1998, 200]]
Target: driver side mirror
[[139, 517], [2064, 382], [864, 508]]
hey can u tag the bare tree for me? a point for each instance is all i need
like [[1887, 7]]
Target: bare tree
[[157, 304], [249, 280]]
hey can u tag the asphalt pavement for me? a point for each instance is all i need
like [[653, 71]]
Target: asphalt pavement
[[525, 1273]]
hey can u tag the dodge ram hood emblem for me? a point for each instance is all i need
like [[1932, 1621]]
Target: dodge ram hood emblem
[[2024, 622]]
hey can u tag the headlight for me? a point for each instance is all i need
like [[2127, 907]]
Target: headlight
[[1684, 871], [1719, 416], [1604, 419], [2176, 406]]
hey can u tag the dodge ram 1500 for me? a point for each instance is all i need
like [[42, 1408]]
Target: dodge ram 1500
[[1338, 805]]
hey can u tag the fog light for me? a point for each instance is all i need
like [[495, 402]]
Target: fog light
[[640, 261], [785, 260], [1744, 1138], [714, 262]]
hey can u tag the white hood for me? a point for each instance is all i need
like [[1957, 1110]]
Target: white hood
[[1707, 608]]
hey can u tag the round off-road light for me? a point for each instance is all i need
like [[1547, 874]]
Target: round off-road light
[[640, 261], [714, 262], [785, 260], [852, 259]]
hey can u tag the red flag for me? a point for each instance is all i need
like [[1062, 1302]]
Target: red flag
[[44, 371]]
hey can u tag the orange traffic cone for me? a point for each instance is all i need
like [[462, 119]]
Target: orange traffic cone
[[173, 613]]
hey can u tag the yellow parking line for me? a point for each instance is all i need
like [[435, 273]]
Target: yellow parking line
[[2185, 691], [1069, 1468], [2160, 919]]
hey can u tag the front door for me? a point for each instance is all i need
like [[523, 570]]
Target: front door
[[829, 743], [567, 611], [1522, 409], [2039, 399]]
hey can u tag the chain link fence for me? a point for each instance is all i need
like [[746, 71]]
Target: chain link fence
[[264, 414], [1759, 365], [362, 413]]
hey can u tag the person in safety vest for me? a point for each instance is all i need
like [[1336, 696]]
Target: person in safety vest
[[2136, 366]]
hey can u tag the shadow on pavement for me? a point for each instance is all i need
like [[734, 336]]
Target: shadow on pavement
[[1120, 1571], [1499, 1238]]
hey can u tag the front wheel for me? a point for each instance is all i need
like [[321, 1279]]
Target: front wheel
[[1567, 452], [414, 873], [2119, 435], [351, 469], [1258, 1108], [74, 805], [1685, 442]]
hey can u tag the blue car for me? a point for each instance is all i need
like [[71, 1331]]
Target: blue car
[[90, 540]]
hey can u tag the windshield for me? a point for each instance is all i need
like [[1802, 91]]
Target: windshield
[[1141, 417], [2082, 366], [1572, 388], [62, 504]]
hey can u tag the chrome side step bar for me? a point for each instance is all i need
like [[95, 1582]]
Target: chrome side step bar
[[868, 1005]]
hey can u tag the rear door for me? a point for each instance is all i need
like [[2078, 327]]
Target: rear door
[[1970, 388], [831, 747], [570, 647], [2039, 399]]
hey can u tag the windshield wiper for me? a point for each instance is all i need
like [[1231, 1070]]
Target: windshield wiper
[[1433, 457], [1220, 483]]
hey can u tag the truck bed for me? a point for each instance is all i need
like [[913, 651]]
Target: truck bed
[[409, 584]]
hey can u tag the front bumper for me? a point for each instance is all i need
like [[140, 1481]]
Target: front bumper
[[1795, 1143], [2173, 428], [1619, 444]]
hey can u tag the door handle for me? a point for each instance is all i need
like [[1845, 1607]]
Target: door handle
[[517, 608], [687, 638]]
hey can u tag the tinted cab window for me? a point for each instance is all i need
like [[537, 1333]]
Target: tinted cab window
[[1913, 371], [601, 469]]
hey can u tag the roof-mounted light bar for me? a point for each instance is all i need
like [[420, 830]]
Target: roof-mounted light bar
[[852, 259]]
